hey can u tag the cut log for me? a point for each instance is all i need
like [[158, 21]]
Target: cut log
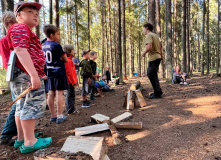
[[129, 125], [55, 154], [115, 135], [122, 117], [140, 98], [140, 88], [128, 99], [99, 118], [132, 100], [93, 146], [135, 86], [91, 129]]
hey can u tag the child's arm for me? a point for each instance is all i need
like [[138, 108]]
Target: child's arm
[[64, 58], [26, 61]]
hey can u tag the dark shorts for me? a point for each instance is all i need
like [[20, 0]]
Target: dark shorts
[[55, 84], [85, 87], [46, 86]]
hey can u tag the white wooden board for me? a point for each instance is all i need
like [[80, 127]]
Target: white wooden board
[[122, 117], [100, 118], [91, 129]]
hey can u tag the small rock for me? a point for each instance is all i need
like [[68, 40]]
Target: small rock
[[205, 144]]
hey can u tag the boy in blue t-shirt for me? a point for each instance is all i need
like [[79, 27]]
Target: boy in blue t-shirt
[[57, 79]]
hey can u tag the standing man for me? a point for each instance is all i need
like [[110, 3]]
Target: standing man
[[107, 74], [77, 63], [154, 50]]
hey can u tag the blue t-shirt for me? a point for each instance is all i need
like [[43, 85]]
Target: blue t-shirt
[[76, 61], [54, 65]]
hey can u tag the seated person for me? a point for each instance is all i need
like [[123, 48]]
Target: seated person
[[107, 86], [99, 86], [116, 79], [179, 76]]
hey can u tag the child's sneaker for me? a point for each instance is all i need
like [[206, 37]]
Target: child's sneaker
[[60, 120], [53, 119], [185, 83], [181, 83], [86, 104], [92, 98]]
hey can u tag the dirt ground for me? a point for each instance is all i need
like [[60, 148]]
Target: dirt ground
[[184, 124]]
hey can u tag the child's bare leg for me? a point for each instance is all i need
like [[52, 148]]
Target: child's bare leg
[[59, 102], [84, 97], [29, 134], [19, 128], [51, 95]]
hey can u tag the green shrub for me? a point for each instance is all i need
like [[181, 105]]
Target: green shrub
[[3, 83]]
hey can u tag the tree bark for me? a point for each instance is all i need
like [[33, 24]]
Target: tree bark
[[88, 23], [67, 24], [152, 13], [199, 55], [119, 42], [203, 50], [187, 36], [207, 39], [124, 42], [168, 41], [218, 42], [37, 28], [110, 38], [174, 34], [56, 11], [76, 27], [50, 11], [184, 36], [103, 36]]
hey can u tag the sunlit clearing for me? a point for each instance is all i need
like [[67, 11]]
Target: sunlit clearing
[[136, 136]]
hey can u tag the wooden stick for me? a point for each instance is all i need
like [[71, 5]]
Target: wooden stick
[[19, 97]]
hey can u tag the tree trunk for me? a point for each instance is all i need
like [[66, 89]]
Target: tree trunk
[[110, 38], [124, 42], [43, 8], [50, 11], [7, 5], [139, 55], [130, 46], [70, 28], [56, 11], [152, 13], [67, 24], [184, 36], [174, 34], [103, 36], [187, 37], [203, 49], [207, 39], [37, 28], [76, 27], [218, 42], [198, 56], [168, 41], [88, 23], [106, 29], [119, 42]]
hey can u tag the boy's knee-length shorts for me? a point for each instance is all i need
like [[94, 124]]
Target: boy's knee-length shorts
[[31, 106]]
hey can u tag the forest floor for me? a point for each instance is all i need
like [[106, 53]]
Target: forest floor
[[184, 124]]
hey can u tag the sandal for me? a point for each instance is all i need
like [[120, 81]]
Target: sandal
[[40, 144], [18, 144]]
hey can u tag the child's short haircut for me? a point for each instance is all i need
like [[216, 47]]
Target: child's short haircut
[[92, 53], [68, 48], [7, 18], [149, 26], [50, 29]]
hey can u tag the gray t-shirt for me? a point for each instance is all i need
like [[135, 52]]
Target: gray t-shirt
[[76, 61]]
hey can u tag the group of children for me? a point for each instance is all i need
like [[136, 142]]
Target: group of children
[[48, 68]]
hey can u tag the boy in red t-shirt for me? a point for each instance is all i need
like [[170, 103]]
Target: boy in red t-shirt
[[72, 80], [29, 70]]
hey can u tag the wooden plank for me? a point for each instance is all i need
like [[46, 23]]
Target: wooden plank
[[122, 117], [140, 98], [91, 129], [129, 125], [100, 118], [135, 86], [90, 145]]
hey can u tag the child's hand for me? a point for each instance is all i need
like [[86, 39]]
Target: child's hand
[[89, 81], [35, 82], [45, 77]]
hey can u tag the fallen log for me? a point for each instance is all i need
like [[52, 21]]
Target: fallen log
[[115, 135], [140, 98], [129, 125]]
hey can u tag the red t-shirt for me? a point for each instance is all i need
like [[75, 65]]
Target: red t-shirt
[[70, 71], [5, 51], [21, 36]]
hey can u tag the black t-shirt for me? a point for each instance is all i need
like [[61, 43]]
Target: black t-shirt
[[93, 66], [107, 73]]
